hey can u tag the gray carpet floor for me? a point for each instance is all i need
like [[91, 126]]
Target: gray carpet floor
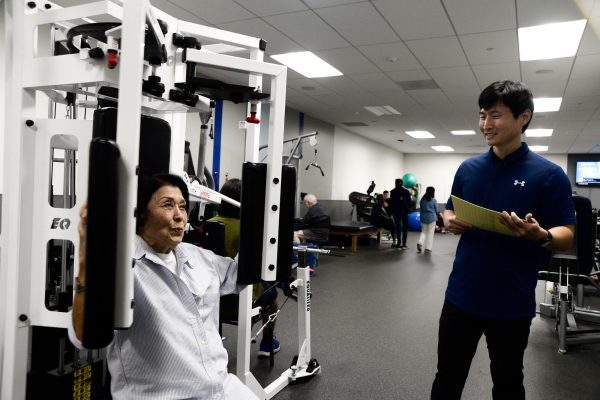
[[374, 318]]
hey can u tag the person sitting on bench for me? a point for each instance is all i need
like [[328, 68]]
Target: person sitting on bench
[[264, 294], [176, 289], [381, 219], [315, 222]]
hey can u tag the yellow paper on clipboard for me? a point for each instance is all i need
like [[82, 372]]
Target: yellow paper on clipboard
[[479, 217]]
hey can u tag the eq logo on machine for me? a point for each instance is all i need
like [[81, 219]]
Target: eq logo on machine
[[62, 223]]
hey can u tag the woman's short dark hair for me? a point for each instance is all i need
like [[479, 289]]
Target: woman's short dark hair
[[148, 185], [514, 95], [429, 193], [232, 189]]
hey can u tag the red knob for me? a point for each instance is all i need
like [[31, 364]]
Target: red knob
[[112, 58], [252, 118]]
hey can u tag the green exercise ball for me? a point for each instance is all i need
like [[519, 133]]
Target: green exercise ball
[[409, 180]]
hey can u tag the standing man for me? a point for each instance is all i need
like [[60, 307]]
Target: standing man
[[399, 205], [491, 289]]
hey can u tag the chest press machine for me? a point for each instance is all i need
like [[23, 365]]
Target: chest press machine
[[119, 57]]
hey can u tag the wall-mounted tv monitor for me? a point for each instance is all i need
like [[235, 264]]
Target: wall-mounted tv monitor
[[587, 173]]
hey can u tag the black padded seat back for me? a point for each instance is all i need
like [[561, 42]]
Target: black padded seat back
[[585, 234], [212, 237]]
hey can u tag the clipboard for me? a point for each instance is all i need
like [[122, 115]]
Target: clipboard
[[479, 217]]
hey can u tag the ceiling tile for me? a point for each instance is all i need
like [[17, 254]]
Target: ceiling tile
[[583, 87], [463, 94], [395, 98], [341, 85], [390, 56], [373, 82], [586, 67], [489, 73], [476, 16], [539, 12], [546, 89], [328, 3], [271, 7], [438, 52], [590, 42], [277, 42], [546, 70], [409, 75], [580, 103], [215, 11], [178, 12], [491, 47], [453, 77], [415, 19], [348, 60], [429, 96], [359, 23], [308, 87], [308, 30]]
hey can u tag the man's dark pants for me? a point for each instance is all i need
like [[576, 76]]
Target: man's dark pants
[[459, 334]]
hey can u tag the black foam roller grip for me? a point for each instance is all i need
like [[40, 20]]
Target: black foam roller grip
[[101, 244], [254, 177]]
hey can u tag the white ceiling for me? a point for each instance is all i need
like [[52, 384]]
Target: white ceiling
[[462, 45]]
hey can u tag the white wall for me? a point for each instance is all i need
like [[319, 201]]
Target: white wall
[[438, 170], [357, 161]]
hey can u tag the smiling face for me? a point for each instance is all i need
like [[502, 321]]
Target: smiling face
[[164, 219], [501, 129]]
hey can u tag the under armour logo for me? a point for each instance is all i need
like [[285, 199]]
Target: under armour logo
[[522, 183]]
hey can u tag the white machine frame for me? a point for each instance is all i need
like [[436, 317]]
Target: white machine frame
[[32, 70]]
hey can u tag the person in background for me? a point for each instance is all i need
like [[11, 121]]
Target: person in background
[[176, 290], [399, 205], [263, 292], [381, 219], [491, 289], [428, 216], [315, 220]]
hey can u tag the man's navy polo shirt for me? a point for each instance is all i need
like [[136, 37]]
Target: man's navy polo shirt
[[495, 275]]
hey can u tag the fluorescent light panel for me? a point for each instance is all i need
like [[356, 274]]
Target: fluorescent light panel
[[543, 42], [420, 134], [442, 148], [463, 132], [539, 132], [538, 148], [547, 104], [307, 64], [382, 110]]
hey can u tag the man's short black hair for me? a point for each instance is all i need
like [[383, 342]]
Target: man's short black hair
[[399, 183], [514, 95], [232, 189], [148, 185]]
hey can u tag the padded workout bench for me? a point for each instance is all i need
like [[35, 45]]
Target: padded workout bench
[[354, 230]]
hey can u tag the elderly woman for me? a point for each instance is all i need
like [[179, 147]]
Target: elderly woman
[[173, 349]]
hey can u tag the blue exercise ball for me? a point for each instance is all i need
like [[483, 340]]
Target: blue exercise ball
[[409, 180], [414, 221]]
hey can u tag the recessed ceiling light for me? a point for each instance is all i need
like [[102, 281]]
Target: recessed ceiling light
[[547, 104], [307, 64], [538, 132], [462, 132], [547, 41], [442, 148], [420, 134], [382, 110], [538, 148]]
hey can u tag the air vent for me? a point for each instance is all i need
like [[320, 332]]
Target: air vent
[[418, 85], [354, 124]]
